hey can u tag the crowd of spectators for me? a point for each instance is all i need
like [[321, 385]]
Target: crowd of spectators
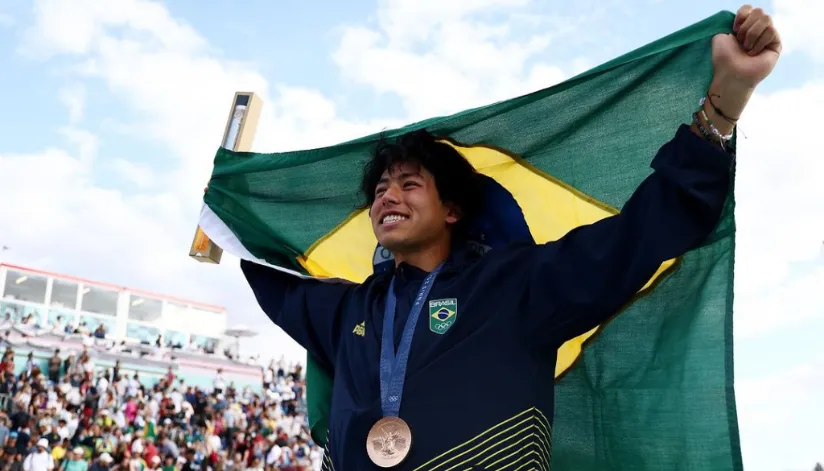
[[78, 417], [29, 324]]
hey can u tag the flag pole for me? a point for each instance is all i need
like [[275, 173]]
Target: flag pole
[[237, 136]]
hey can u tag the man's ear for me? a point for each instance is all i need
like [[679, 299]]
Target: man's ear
[[453, 213]]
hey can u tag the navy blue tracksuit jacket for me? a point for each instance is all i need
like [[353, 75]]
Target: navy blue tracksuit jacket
[[515, 306]]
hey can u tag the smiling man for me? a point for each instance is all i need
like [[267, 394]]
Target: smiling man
[[412, 393]]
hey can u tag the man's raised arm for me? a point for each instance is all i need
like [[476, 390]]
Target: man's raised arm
[[581, 280]]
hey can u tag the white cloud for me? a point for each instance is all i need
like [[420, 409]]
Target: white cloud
[[443, 57], [410, 21], [73, 98], [785, 306], [139, 174], [780, 417], [86, 142], [76, 27], [779, 212], [798, 23], [179, 88]]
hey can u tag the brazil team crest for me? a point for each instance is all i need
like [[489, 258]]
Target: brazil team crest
[[442, 313]]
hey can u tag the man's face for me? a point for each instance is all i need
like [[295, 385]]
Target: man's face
[[408, 213]]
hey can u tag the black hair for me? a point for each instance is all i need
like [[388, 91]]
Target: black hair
[[457, 182]]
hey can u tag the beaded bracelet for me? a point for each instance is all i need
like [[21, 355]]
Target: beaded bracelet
[[709, 136], [702, 128], [713, 129]]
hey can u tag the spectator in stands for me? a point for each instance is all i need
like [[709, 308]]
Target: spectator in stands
[[76, 461], [170, 375], [169, 463], [40, 459], [102, 463], [119, 422], [100, 331], [136, 463], [67, 363], [60, 449], [82, 328], [28, 321], [59, 327], [54, 366], [219, 383]]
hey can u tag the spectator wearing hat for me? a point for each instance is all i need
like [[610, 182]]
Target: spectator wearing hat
[[136, 462], [40, 459], [102, 463], [11, 444], [75, 461]]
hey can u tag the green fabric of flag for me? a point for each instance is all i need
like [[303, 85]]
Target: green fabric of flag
[[654, 389]]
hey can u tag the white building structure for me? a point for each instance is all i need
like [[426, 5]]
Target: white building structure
[[53, 301]]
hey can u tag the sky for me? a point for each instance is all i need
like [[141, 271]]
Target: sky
[[116, 108]]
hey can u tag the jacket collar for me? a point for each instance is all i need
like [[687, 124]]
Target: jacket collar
[[459, 258]]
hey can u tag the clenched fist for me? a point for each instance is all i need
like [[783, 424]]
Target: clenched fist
[[740, 61], [751, 52]]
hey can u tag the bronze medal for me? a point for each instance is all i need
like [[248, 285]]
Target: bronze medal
[[389, 442]]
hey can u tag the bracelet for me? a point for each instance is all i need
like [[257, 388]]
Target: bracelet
[[703, 129], [715, 109], [714, 130], [711, 137]]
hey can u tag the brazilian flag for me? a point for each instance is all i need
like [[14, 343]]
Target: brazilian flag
[[651, 390]]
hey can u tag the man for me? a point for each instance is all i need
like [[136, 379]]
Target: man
[[219, 383], [426, 404], [102, 463], [76, 461], [4, 430], [54, 367], [39, 459], [136, 462]]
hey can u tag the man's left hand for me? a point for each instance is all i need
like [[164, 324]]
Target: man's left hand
[[741, 61], [751, 52]]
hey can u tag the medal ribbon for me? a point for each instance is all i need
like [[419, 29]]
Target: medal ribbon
[[393, 365]]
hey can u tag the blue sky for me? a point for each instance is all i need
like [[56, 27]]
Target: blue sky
[[115, 110]]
